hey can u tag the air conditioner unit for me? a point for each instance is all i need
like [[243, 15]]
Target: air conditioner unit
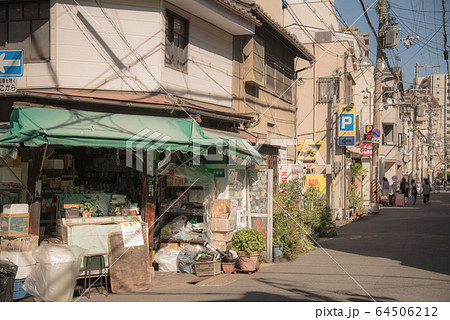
[[254, 63]]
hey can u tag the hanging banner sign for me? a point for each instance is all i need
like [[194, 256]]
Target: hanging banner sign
[[309, 150]]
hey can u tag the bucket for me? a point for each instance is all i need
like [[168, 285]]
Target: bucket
[[277, 253]]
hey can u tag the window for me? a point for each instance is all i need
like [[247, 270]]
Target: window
[[176, 41], [327, 88], [26, 25], [388, 134], [279, 79], [388, 93]]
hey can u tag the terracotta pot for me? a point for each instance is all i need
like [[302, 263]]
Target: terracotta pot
[[228, 267], [248, 261]]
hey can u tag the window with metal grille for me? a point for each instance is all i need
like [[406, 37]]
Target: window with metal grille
[[279, 79], [177, 31], [26, 25], [327, 87]]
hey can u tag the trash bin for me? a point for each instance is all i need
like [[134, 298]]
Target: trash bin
[[56, 272], [8, 272]]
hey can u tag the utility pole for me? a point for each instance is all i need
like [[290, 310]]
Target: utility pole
[[377, 99], [333, 157]]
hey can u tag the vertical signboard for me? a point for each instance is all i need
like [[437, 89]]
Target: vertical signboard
[[346, 129]]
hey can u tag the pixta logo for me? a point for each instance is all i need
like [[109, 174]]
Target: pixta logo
[[151, 141]]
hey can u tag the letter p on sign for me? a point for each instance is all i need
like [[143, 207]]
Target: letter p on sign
[[346, 122]]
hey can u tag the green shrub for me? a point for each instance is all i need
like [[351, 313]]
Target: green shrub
[[248, 240], [301, 212]]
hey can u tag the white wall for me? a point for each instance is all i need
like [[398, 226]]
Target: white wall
[[209, 74], [87, 52]]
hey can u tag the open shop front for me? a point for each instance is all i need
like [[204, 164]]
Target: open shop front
[[78, 172]]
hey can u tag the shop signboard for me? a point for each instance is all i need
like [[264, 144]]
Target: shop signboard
[[290, 171], [317, 180], [309, 150], [366, 149]]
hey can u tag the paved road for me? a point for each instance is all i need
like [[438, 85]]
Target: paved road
[[401, 254]]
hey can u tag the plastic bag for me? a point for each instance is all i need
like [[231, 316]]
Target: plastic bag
[[178, 224], [56, 271], [186, 259], [167, 260], [8, 272]]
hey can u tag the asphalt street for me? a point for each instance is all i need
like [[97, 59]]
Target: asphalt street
[[398, 255]]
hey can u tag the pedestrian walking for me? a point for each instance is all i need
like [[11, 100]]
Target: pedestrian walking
[[413, 191], [404, 188], [385, 187], [438, 185], [426, 190]]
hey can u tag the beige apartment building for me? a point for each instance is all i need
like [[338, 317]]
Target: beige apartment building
[[436, 86]]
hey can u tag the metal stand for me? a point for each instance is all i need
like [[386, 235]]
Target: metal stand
[[87, 274]]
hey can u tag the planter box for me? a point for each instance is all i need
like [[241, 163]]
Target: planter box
[[207, 268], [14, 224]]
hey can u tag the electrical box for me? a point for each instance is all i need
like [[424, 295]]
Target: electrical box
[[391, 37]]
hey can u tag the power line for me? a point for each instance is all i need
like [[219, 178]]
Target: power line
[[412, 10]]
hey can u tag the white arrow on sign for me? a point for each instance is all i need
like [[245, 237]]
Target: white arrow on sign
[[8, 63]]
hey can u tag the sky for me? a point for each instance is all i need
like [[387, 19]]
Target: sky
[[423, 18]]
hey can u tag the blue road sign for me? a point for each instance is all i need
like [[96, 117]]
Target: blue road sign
[[11, 63], [376, 133], [346, 141]]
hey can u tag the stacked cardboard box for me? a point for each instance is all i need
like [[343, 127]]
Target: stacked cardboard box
[[221, 225], [16, 243]]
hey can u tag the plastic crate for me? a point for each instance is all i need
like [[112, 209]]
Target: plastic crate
[[210, 268], [18, 292]]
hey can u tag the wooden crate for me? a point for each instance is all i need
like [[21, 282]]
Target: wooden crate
[[210, 268]]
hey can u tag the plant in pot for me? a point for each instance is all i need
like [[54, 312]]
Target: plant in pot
[[248, 243]]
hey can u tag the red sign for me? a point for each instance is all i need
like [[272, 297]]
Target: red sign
[[366, 149], [376, 133]]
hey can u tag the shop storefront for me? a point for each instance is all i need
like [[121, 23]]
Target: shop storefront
[[92, 172]]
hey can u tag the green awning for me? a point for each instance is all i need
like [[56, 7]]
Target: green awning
[[35, 127]]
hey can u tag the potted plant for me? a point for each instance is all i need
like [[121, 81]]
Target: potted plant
[[86, 209], [248, 243]]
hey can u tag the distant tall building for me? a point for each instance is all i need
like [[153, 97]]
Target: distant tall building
[[363, 39], [435, 83]]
